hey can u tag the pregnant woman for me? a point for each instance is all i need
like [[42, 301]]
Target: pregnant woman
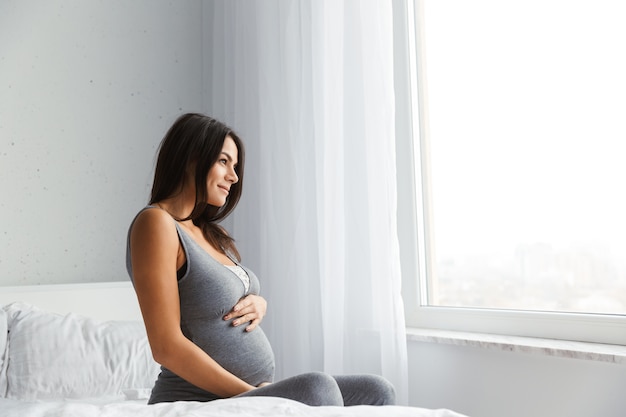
[[200, 305]]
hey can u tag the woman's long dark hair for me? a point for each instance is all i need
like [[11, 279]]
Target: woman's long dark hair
[[197, 140]]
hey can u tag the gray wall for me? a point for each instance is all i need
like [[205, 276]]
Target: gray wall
[[482, 382], [87, 90]]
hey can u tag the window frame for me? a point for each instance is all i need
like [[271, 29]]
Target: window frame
[[414, 213]]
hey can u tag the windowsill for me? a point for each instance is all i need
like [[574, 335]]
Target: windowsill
[[551, 347]]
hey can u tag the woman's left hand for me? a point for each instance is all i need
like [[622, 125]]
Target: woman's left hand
[[250, 309]]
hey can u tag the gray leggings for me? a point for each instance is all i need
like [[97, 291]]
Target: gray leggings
[[317, 388]]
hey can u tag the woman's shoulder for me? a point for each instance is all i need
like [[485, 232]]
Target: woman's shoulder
[[153, 220]]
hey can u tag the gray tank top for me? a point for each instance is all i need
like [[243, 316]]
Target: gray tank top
[[208, 290]]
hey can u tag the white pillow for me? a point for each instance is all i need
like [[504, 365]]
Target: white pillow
[[54, 356], [3, 348]]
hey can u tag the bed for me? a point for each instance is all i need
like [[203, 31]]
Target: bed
[[81, 350]]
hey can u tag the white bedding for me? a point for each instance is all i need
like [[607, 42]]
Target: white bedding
[[58, 361], [234, 407]]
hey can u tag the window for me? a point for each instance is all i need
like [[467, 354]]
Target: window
[[516, 205]]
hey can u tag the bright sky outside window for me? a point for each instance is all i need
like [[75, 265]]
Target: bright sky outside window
[[526, 107]]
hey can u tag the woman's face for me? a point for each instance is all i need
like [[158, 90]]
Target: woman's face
[[222, 174]]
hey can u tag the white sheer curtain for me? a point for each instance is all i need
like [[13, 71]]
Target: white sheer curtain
[[309, 87]]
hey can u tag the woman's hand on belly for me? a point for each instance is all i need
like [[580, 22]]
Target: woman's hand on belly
[[250, 309]]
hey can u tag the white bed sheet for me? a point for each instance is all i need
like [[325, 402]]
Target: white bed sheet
[[94, 301], [234, 407]]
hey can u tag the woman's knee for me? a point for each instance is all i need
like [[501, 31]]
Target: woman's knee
[[318, 389], [383, 389], [314, 388], [366, 389]]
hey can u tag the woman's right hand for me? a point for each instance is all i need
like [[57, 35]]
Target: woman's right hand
[[249, 310]]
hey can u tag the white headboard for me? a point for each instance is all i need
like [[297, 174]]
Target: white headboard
[[101, 301]]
